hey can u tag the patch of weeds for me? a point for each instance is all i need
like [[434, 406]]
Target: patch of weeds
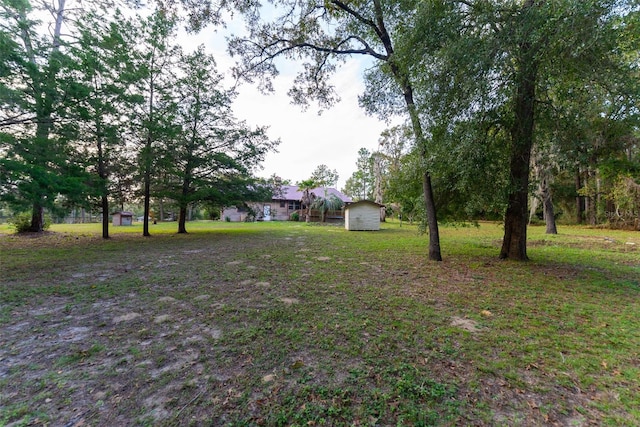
[[311, 405], [277, 315], [135, 351], [19, 414], [79, 355]]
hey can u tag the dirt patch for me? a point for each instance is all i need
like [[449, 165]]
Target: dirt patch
[[466, 324], [186, 332], [126, 317]]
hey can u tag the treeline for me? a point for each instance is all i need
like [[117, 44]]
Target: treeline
[[504, 101], [103, 107], [601, 189]]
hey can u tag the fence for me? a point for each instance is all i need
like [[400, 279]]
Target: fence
[[333, 216]]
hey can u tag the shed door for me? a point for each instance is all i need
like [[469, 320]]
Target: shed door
[[267, 212]]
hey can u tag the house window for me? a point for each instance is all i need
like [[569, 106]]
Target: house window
[[282, 203], [293, 205]]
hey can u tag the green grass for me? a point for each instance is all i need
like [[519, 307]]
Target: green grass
[[296, 324]]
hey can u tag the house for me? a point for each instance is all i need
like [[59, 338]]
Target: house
[[122, 218], [283, 203], [362, 216]]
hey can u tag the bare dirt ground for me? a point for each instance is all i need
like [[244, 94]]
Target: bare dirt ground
[[235, 330]]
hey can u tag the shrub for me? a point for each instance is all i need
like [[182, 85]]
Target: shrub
[[212, 214], [21, 222], [295, 216]]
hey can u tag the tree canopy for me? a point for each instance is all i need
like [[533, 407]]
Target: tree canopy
[[503, 101], [114, 106]]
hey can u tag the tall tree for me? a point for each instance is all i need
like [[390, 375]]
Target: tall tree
[[493, 62], [99, 111], [151, 68], [40, 164], [214, 154], [325, 34], [324, 177], [360, 184]]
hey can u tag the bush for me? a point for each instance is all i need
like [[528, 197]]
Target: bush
[[21, 222], [295, 216], [212, 214]]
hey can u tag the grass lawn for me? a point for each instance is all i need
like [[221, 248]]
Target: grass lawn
[[294, 324]]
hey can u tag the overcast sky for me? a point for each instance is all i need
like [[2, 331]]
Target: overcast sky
[[307, 139]]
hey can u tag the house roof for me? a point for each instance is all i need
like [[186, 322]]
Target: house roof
[[291, 192]]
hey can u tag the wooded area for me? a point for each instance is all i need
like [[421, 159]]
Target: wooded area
[[507, 105], [115, 111]]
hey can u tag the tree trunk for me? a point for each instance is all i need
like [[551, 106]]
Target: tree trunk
[[105, 217], [533, 207], [37, 218], [429, 201], [591, 210], [579, 199], [147, 204], [182, 220], [147, 153], [377, 183], [514, 243], [102, 173], [434, 233], [184, 204], [590, 199], [547, 205]]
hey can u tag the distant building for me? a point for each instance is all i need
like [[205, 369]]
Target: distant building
[[281, 206], [122, 218]]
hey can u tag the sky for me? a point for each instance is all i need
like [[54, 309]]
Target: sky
[[307, 139]]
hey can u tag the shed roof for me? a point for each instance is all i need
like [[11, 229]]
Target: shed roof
[[364, 202]]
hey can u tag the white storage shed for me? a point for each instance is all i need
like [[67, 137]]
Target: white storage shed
[[362, 216]]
